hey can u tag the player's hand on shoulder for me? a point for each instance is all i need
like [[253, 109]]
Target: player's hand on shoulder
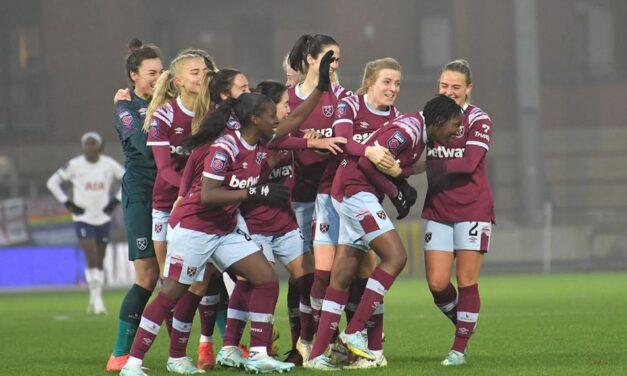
[[122, 95]]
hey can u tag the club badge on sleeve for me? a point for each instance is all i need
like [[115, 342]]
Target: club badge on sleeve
[[218, 163]]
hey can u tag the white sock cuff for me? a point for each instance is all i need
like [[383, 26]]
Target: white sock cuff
[[236, 314], [183, 327], [210, 299], [333, 307], [376, 286]]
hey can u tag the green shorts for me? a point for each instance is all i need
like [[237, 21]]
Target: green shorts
[[138, 222]]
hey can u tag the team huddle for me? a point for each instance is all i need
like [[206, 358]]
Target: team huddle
[[221, 180]]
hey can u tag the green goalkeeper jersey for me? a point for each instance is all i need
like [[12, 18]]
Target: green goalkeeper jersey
[[128, 117]]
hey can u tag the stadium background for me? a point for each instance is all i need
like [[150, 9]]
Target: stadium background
[[552, 74]]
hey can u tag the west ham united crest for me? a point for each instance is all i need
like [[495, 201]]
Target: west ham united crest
[[158, 227], [324, 228], [427, 237], [460, 132], [381, 214], [327, 110], [142, 243], [191, 271]]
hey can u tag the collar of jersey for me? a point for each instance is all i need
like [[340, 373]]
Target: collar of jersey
[[374, 110], [137, 98], [299, 93], [187, 112], [465, 106], [246, 144]]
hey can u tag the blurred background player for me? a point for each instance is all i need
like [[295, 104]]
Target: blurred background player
[[459, 211], [92, 175], [143, 67], [305, 58]]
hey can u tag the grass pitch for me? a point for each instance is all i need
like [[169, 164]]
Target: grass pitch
[[568, 324]]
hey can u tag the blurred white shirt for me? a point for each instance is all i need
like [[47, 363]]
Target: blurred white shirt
[[91, 184]]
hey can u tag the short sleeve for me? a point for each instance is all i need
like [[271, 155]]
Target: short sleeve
[[344, 113], [394, 139], [160, 127], [479, 130], [216, 163]]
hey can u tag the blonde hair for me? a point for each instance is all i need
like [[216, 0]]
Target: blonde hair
[[202, 105], [371, 72], [461, 66], [165, 89]]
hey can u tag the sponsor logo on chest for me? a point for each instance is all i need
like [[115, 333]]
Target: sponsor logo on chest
[[362, 137], [324, 132], [178, 150], [243, 183], [444, 152], [281, 172], [460, 131], [261, 155], [94, 186]]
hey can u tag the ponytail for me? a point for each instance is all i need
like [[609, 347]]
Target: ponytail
[[214, 123], [211, 126], [461, 66], [203, 101], [308, 45], [297, 57], [164, 91]]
